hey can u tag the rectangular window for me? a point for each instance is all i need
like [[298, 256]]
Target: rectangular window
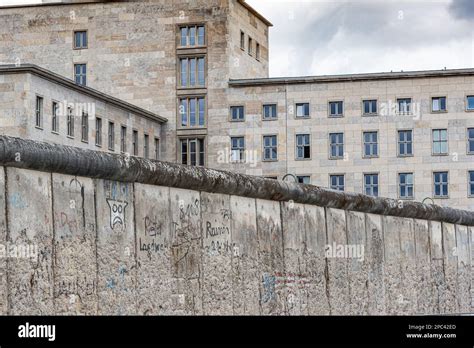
[[470, 141], [192, 72], [303, 146], [269, 111], [470, 102], [371, 146], [250, 46], [111, 136], [438, 104], [242, 40], [192, 151], [471, 183], [371, 184], [440, 141], [85, 127], [237, 149], [405, 143], [80, 39], [80, 74], [55, 118], [191, 36], [257, 51], [123, 139], [70, 122], [98, 131], [192, 111], [336, 109], [405, 185], [39, 112], [135, 142], [440, 181], [157, 148], [404, 106], [336, 145], [337, 182], [303, 179], [369, 107], [237, 113], [302, 110], [270, 148], [146, 146]]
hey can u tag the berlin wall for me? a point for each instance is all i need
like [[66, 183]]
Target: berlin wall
[[86, 233]]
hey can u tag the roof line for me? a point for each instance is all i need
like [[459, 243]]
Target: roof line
[[350, 77], [255, 12], [56, 3], [61, 80]]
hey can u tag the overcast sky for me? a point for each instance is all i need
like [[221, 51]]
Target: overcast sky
[[314, 37]]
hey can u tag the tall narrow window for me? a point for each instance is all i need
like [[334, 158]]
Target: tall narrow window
[[250, 46], [336, 109], [471, 183], [269, 111], [111, 136], [54, 118], [39, 112], [242, 40], [157, 148], [405, 143], [337, 182], [237, 149], [369, 107], [85, 127], [438, 104], [470, 102], [303, 146], [405, 185], [257, 51], [440, 141], [371, 184], [70, 122], [270, 148], [404, 106], [371, 146], [192, 151], [123, 139], [192, 111], [192, 72], [470, 141], [135, 142], [336, 145], [440, 183], [80, 74], [98, 131], [80, 39], [146, 146], [237, 113]]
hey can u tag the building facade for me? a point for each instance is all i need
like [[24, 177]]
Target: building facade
[[203, 66]]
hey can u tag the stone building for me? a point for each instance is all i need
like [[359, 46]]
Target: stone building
[[203, 67]]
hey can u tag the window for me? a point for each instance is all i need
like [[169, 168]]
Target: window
[[123, 139], [146, 146], [438, 104], [336, 145], [111, 136], [270, 150], [337, 182], [135, 142], [336, 109], [70, 122], [440, 142], [85, 127], [470, 102], [257, 51], [302, 110], [242, 40], [192, 111], [39, 112], [270, 112], [371, 144], [192, 36], [471, 183], [303, 146], [250, 46], [192, 72], [371, 184], [470, 141], [80, 74], [54, 118], [237, 113], [405, 185], [237, 149], [157, 148], [192, 151], [80, 39], [405, 143], [404, 106], [98, 131], [369, 107], [440, 181], [303, 179]]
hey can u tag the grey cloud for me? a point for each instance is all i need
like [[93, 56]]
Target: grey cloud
[[462, 9]]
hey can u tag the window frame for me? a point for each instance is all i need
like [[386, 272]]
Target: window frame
[[337, 175], [434, 184], [111, 135], [157, 143], [469, 183], [399, 186], [405, 142], [297, 158], [340, 115], [271, 147], [82, 76], [74, 39], [257, 51], [377, 144], [303, 176], [445, 104], [304, 116], [240, 149], [146, 145], [410, 111], [188, 99], [250, 46], [123, 138], [439, 141], [54, 117], [98, 131], [242, 40], [198, 151], [466, 100], [70, 120], [376, 113], [337, 157], [39, 111], [135, 142], [196, 36], [468, 139], [231, 107], [188, 72], [85, 127], [372, 185], [264, 105]]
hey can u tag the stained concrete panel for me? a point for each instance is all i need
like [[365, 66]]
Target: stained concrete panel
[[115, 248], [448, 300], [437, 264], [30, 224], [3, 246], [246, 280], [376, 261], [394, 296], [216, 277], [463, 289], [153, 238], [408, 298], [186, 251], [75, 266]]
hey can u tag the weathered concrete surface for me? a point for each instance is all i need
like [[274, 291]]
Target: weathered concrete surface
[[3, 242], [376, 261]]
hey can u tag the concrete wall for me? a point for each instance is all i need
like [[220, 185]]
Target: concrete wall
[[108, 247]]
